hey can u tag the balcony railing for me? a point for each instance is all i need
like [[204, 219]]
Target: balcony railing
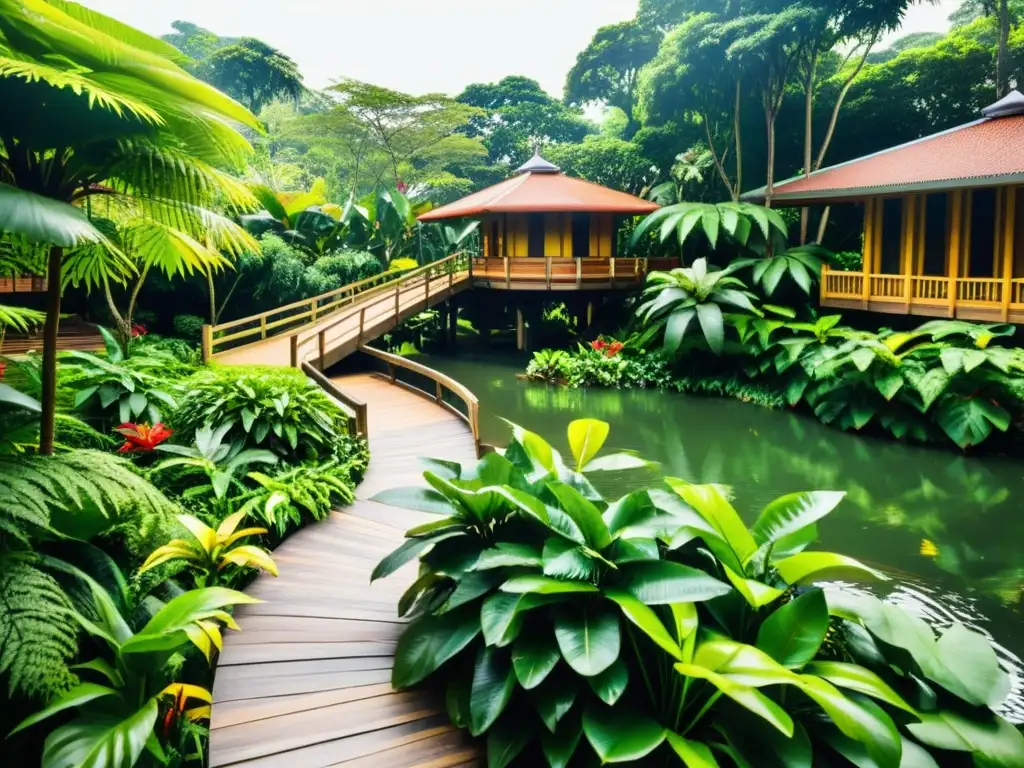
[[556, 273], [972, 297]]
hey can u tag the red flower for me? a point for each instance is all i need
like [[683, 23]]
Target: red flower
[[138, 329], [614, 348], [598, 344], [402, 186], [142, 438], [3, 369]]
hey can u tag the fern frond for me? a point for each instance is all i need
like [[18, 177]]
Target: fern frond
[[37, 629]]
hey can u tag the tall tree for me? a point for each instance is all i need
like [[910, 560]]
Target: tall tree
[[96, 108], [516, 114], [405, 130], [194, 41], [252, 72], [607, 161], [607, 69]]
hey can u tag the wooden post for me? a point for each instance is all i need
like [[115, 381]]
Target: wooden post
[[590, 313], [362, 320], [392, 372], [869, 250], [579, 272], [321, 339], [263, 326], [294, 344], [520, 330], [438, 392], [611, 273], [312, 310], [547, 272], [907, 257], [398, 291], [1009, 222], [821, 285], [207, 343], [508, 273], [955, 244]]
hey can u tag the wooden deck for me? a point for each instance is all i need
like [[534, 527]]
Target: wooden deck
[[306, 683]]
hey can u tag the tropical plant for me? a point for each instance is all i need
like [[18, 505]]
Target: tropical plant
[[802, 264], [547, 364], [108, 111], [273, 408], [736, 222], [214, 555], [570, 628], [125, 388], [213, 456], [674, 299], [115, 719], [313, 490]]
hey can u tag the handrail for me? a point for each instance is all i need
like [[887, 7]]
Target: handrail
[[355, 409], [445, 267], [441, 383], [313, 309]]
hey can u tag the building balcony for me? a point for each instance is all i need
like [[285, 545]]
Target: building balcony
[[986, 299], [552, 273], [23, 284]]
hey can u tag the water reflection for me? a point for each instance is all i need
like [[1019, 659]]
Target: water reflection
[[945, 526]]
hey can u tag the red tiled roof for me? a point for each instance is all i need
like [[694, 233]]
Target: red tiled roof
[[981, 153], [542, 193]]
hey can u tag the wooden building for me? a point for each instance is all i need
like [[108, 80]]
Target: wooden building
[[543, 230], [943, 222]]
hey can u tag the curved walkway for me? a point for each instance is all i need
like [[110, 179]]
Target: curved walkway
[[306, 683]]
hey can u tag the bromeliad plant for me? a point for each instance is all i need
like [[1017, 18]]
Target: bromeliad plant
[[659, 626], [214, 555]]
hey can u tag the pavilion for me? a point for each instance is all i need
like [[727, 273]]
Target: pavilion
[[544, 230], [941, 221]]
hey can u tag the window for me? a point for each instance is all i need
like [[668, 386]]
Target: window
[[580, 235], [535, 238], [494, 242], [936, 227], [892, 235], [983, 233]]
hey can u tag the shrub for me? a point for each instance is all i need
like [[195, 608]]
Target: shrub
[[189, 327], [274, 408], [659, 627], [849, 261], [349, 266], [402, 265]]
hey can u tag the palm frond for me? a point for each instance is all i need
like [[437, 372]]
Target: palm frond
[[19, 318], [171, 250], [95, 264], [119, 31]]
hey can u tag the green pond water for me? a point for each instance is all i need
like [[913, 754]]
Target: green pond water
[[948, 529]]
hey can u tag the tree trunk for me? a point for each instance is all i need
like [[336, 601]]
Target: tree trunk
[[213, 297], [823, 223], [1002, 53], [738, 138], [769, 117], [124, 326], [805, 212], [50, 331]]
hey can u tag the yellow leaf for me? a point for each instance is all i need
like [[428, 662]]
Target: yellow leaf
[[190, 691], [228, 525], [176, 550], [586, 436], [242, 534], [928, 548], [249, 557], [199, 713], [204, 534]]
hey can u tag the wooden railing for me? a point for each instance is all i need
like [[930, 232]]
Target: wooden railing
[[353, 408], [440, 388], [300, 314], [559, 272], [384, 302], [974, 292], [23, 284]]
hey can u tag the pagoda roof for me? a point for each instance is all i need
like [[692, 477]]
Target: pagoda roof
[[540, 187], [981, 153]]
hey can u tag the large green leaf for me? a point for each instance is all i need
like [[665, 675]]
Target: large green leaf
[[568, 560], [534, 655], [10, 396], [101, 741], [583, 513], [166, 630], [661, 582], [506, 740], [419, 499], [554, 700], [694, 754], [793, 634], [863, 722], [610, 684], [586, 436], [744, 695], [968, 666], [560, 746], [621, 735], [995, 742], [676, 327], [493, 684], [646, 619], [741, 663], [78, 696], [807, 567], [969, 420], [545, 585], [430, 641], [793, 512], [588, 637], [860, 679], [501, 615], [710, 317], [506, 554], [710, 503], [408, 551], [44, 219]]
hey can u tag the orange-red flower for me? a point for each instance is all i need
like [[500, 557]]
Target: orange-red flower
[[138, 329], [3, 369], [142, 438], [614, 348], [598, 345]]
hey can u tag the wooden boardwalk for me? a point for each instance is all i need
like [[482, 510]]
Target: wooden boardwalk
[[306, 683]]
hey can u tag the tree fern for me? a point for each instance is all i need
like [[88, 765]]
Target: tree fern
[[37, 629]]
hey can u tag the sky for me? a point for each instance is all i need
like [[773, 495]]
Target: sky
[[420, 46]]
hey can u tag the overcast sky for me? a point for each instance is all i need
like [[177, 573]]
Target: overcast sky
[[419, 46]]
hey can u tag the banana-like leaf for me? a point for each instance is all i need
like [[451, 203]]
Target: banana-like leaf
[[588, 637], [621, 735], [44, 219], [101, 741]]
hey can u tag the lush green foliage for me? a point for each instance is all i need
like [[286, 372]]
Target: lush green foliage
[[566, 625], [273, 408]]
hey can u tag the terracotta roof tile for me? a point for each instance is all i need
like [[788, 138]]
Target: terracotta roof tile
[[979, 152], [542, 193]]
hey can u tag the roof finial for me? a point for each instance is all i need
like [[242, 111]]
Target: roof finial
[[537, 164], [1011, 104]]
